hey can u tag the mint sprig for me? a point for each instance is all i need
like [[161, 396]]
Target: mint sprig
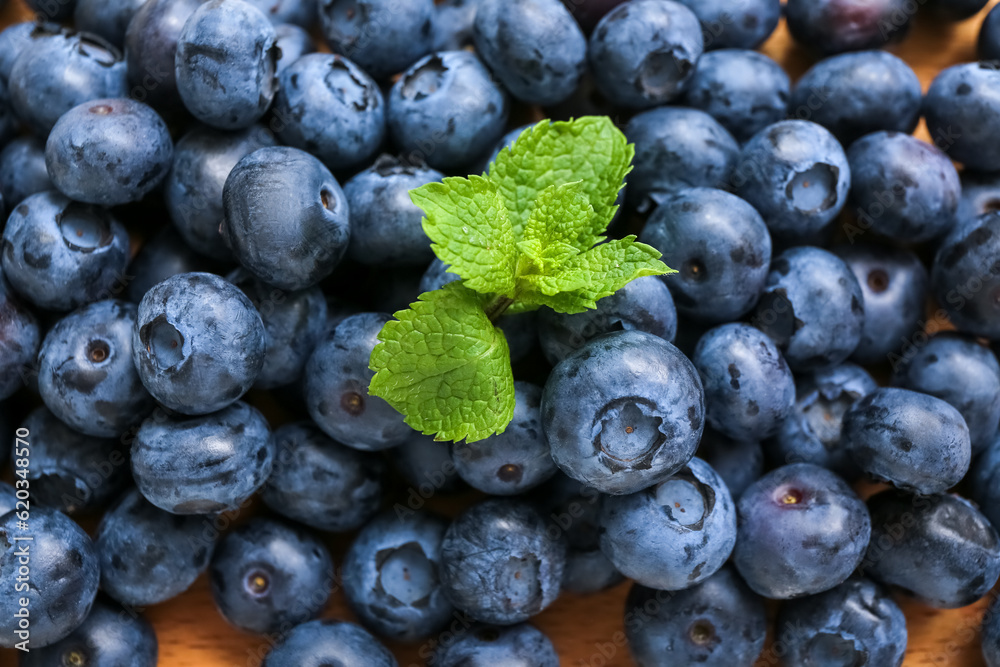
[[526, 234]]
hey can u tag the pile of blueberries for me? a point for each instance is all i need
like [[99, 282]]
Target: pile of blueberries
[[207, 214]]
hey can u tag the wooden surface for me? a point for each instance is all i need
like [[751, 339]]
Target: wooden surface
[[587, 631]]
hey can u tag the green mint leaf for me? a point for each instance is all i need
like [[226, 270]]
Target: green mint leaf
[[585, 278], [589, 149], [563, 215], [471, 230], [539, 258], [445, 366]]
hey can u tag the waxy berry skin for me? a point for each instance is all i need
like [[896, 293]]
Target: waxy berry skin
[[499, 564], [944, 552], [688, 528], [623, 412], [643, 53], [802, 531], [718, 623], [534, 47], [912, 440], [198, 343], [854, 623], [63, 570], [391, 576], [336, 387], [749, 389]]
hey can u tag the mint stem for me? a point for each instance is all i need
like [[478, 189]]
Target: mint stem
[[498, 307]]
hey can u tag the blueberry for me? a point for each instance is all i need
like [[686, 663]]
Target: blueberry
[[513, 461], [912, 440], [107, 19], [204, 464], [642, 53], [812, 308], [991, 634], [938, 548], [984, 479], [22, 170], [687, 525], [534, 47], [14, 38], [835, 26], [856, 623], [109, 636], [894, 283], [283, 12], [294, 322], [19, 340], [86, 375], [965, 276], [644, 304], [744, 25], [717, 623], [623, 412], [520, 645], [980, 192], [328, 106], [293, 42], [720, 246], [336, 387], [68, 470], [321, 483], [390, 576], [677, 148], [905, 188], [198, 343], [811, 434], [9, 124], [499, 564], [267, 576], [521, 329], [150, 47], [453, 21], [963, 114], [739, 463], [385, 224], [447, 111], [329, 642], [802, 530], [574, 510], [988, 46], [55, 73], [796, 175], [60, 254], [749, 389], [203, 159], [958, 370], [148, 555], [426, 465], [164, 254], [382, 36], [88, 162], [286, 219], [226, 77], [854, 94], [64, 577], [744, 90]]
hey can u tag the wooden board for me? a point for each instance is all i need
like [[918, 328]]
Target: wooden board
[[587, 631]]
